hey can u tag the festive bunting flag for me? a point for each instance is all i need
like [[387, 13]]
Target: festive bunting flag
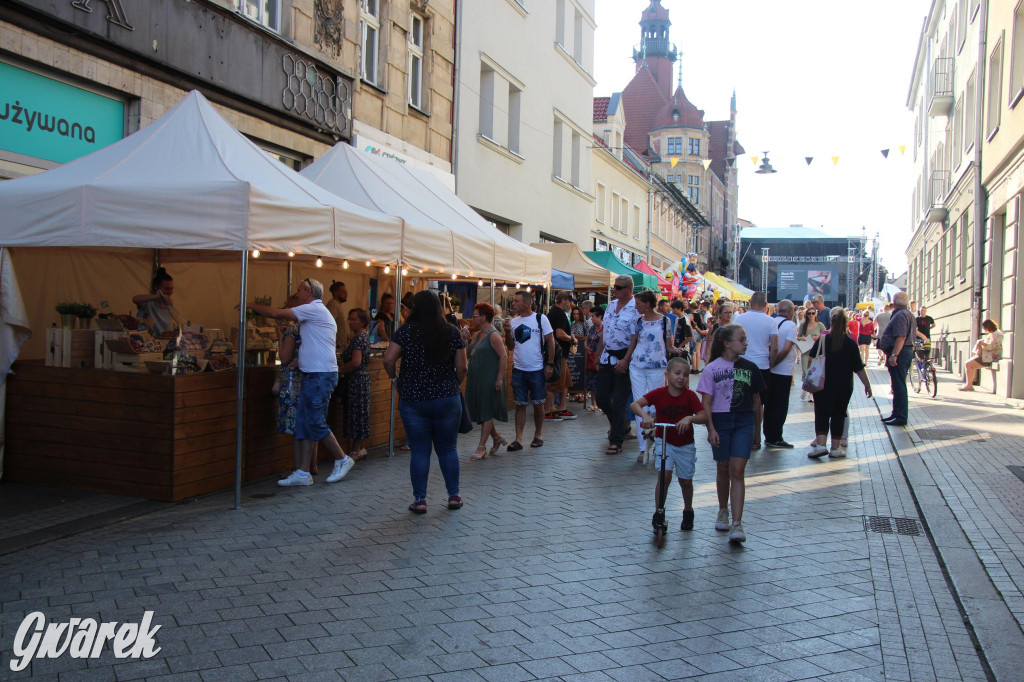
[[885, 153], [835, 160], [755, 159], [707, 163], [808, 159], [902, 148], [674, 160]]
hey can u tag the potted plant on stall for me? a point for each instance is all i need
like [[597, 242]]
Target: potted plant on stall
[[85, 313], [68, 312]]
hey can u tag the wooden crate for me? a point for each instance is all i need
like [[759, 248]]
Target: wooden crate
[[103, 357], [133, 362], [72, 348]]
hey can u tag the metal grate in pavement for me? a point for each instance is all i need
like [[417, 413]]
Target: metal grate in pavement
[[893, 525], [948, 433]]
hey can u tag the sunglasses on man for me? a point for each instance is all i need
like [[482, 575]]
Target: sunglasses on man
[[620, 287]]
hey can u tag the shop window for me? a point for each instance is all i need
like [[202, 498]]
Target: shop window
[[370, 13], [416, 25], [265, 12]]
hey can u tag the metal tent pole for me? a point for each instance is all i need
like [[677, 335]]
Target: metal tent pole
[[240, 396], [394, 328]]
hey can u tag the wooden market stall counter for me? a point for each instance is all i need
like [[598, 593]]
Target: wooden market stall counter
[[145, 435]]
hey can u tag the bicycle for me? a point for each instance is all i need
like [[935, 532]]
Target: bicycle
[[922, 372]]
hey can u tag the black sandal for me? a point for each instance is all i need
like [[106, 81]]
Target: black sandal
[[418, 507], [537, 443], [514, 446], [613, 450]]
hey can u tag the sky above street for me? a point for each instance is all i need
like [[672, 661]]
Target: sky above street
[[812, 79]]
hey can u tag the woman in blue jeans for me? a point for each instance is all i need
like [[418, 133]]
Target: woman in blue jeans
[[433, 365]]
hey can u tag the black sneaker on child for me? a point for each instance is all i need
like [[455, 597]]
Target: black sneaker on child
[[687, 523], [780, 445]]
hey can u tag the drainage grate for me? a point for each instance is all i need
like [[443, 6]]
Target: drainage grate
[[948, 433], [891, 525]]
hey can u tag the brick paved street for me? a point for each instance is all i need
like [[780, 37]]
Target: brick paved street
[[548, 571]]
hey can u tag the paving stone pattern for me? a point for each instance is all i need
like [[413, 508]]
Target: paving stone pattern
[[986, 497], [548, 572]]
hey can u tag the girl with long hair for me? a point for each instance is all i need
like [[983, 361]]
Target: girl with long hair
[[731, 388]]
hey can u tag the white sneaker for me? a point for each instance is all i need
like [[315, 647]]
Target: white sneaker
[[837, 453], [341, 467], [722, 522], [736, 533], [297, 477], [817, 451]]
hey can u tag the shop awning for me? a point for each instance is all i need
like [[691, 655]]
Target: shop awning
[[607, 259], [562, 280], [570, 258], [441, 232], [188, 180], [663, 284], [736, 292]]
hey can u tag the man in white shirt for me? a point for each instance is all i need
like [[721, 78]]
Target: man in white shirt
[[319, 366], [776, 408], [613, 390], [762, 347], [527, 335]]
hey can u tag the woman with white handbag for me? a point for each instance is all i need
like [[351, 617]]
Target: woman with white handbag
[[836, 356]]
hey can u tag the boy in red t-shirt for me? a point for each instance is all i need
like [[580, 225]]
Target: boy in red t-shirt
[[675, 403]]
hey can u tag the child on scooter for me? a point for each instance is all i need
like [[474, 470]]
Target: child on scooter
[[674, 403]]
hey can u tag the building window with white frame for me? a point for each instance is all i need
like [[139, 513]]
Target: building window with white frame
[[556, 152], [416, 50], [600, 199], [969, 113], [485, 123], [616, 202], [694, 146], [515, 97], [695, 194], [577, 37], [995, 89], [576, 160], [1017, 57], [675, 145], [370, 14], [265, 12], [636, 222], [560, 22]]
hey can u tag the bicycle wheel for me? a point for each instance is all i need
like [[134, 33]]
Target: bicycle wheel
[[915, 377], [934, 381]]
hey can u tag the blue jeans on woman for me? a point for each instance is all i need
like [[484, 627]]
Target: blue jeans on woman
[[432, 424]]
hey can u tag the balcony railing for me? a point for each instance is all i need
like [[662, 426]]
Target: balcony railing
[[940, 101], [938, 188]]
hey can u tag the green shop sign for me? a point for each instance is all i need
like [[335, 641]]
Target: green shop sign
[[47, 119]]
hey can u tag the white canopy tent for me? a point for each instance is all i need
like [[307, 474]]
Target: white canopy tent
[[441, 232], [191, 181]]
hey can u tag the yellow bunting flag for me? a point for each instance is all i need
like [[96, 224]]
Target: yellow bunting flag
[[902, 148], [755, 159], [835, 160], [707, 163], [674, 160]]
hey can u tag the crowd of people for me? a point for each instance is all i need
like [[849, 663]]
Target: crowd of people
[[640, 352]]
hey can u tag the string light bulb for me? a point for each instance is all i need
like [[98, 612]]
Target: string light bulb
[[255, 253], [291, 254], [367, 263], [387, 269], [319, 262], [455, 275], [480, 283], [344, 265], [504, 287], [405, 271], [529, 289]]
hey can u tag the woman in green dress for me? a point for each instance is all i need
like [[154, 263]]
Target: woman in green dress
[[485, 381]]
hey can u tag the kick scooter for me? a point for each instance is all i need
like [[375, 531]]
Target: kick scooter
[[658, 521]]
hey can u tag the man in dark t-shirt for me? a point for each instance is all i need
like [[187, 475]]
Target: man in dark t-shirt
[[558, 316]]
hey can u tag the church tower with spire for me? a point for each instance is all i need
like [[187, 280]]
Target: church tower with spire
[[655, 51]]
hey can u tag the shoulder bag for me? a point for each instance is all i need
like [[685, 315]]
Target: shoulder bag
[[814, 378]]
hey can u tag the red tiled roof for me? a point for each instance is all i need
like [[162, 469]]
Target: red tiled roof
[[654, 11], [601, 109], [689, 115], [643, 99]]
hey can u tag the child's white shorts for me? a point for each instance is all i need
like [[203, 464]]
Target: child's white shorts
[[682, 459]]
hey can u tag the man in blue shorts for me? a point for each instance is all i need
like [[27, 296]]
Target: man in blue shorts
[[527, 335], [319, 367]]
